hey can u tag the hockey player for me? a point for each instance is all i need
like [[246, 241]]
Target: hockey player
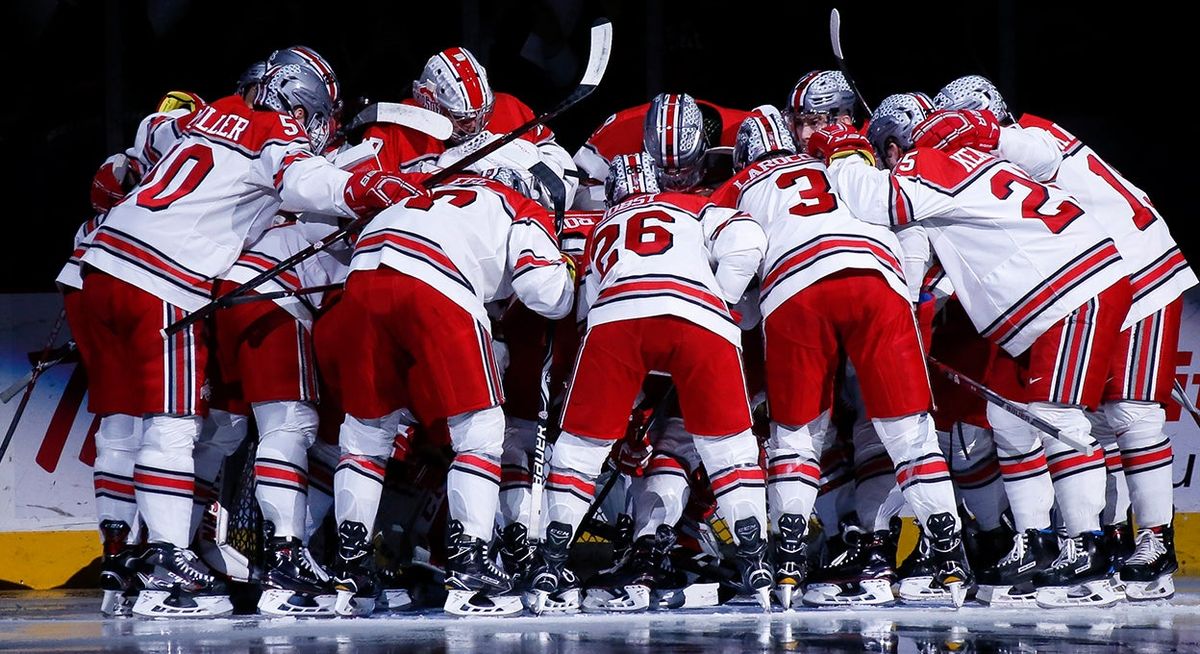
[[644, 128], [662, 271], [220, 174], [436, 262], [1053, 295], [817, 256], [821, 98], [1143, 363]]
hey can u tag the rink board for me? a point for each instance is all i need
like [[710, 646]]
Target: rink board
[[47, 521]]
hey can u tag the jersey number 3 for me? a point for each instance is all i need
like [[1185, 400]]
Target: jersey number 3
[[815, 199], [642, 238]]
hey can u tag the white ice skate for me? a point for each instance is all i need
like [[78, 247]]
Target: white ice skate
[[1099, 593], [1007, 596], [396, 599], [475, 603], [867, 592], [348, 605], [176, 604], [282, 602], [1159, 589], [540, 602], [692, 596], [630, 598]]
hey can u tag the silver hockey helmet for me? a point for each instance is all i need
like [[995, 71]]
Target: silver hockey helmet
[[630, 174], [674, 137], [973, 92], [820, 92], [760, 134], [894, 120], [251, 77], [307, 57], [286, 88], [455, 85]]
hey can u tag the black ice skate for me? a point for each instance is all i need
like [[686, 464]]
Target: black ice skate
[[516, 552], [1079, 576], [861, 575], [790, 557], [751, 560], [474, 585], [1010, 581], [355, 577], [950, 579], [294, 584], [118, 570], [1147, 574], [176, 584], [553, 587]]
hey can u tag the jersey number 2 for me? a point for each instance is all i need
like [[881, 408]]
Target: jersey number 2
[[1035, 201], [152, 198], [641, 238]]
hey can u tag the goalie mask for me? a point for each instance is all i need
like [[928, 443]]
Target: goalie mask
[[760, 135], [894, 120], [307, 57], [286, 88], [673, 135], [973, 92], [455, 85], [628, 175]]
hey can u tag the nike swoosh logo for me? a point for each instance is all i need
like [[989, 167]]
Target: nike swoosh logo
[[1035, 380]]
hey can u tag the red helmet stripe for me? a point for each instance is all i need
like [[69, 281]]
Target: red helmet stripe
[[796, 100], [321, 67], [468, 77]]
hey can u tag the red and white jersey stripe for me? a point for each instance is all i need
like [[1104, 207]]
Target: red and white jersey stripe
[[662, 255], [1158, 271], [1021, 255], [230, 170], [810, 232]]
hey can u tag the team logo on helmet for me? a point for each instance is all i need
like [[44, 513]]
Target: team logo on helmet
[[674, 137], [307, 57], [286, 88], [821, 92], [973, 92], [894, 120], [759, 135], [630, 174], [455, 85]]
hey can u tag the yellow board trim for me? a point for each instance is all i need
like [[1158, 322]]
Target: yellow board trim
[[47, 559]]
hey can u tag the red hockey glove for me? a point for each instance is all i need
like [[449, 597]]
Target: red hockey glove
[[108, 186], [837, 141], [949, 130], [634, 457], [368, 193]]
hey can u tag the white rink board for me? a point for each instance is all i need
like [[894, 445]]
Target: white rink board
[[45, 477]]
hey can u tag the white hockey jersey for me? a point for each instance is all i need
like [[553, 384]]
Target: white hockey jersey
[[1021, 255], [671, 254], [228, 171], [328, 266], [475, 241], [810, 232], [1158, 271]]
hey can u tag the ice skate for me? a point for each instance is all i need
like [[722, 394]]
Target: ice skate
[[751, 560], [790, 558], [1117, 545], [176, 584], [1078, 577], [1010, 581], [516, 552], [474, 585], [355, 578], [118, 570], [861, 575], [942, 575], [554, 588], [1147, 574], [294, 584]]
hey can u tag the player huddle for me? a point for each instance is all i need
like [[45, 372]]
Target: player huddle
[[737, 316]]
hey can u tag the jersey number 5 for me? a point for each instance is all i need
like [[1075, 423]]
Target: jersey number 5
[[1035, 201], [641, 238], [151, 196]]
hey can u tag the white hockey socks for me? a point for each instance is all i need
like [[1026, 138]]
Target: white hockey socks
[[117, 442], [660, 496], [738, 481], [1023, 468], [874, 477], [163, 477], [976, 471], [473, 483], [571, 483], [286, 430], [793, 468], [921, 469], [515, 480], [365, 447], [1079, 479], [1146, 457]]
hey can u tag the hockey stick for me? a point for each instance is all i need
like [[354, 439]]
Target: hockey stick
[[418, 118], [33, 377], [601, 47], [1181, 396], [276, 295], [53, 358], [835, 38], [1011, 407]]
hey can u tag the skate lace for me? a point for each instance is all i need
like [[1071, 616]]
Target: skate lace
[[1017, 552], [185, 563], [1148, 548], [1068, 554]]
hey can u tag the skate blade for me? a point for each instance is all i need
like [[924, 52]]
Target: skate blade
[[280, 602], [477, 603], [396, 599], [163, 604], [539, 601], [870, 592], [627, 599], [349, 606], [921, 590], [1002, 596], [764, 597], [1145, 591], [1092, 593], [783, 593], [115, 604], [692, 596], [958, 593]]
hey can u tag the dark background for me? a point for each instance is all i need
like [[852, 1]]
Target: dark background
[[79, 74]]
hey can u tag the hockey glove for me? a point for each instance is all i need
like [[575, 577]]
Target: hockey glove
[[837, 141], [369, 192], [950, 130]]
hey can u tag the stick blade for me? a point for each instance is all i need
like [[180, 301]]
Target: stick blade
[[598, 53], [17, 386], [418, 118], [835, 32]]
